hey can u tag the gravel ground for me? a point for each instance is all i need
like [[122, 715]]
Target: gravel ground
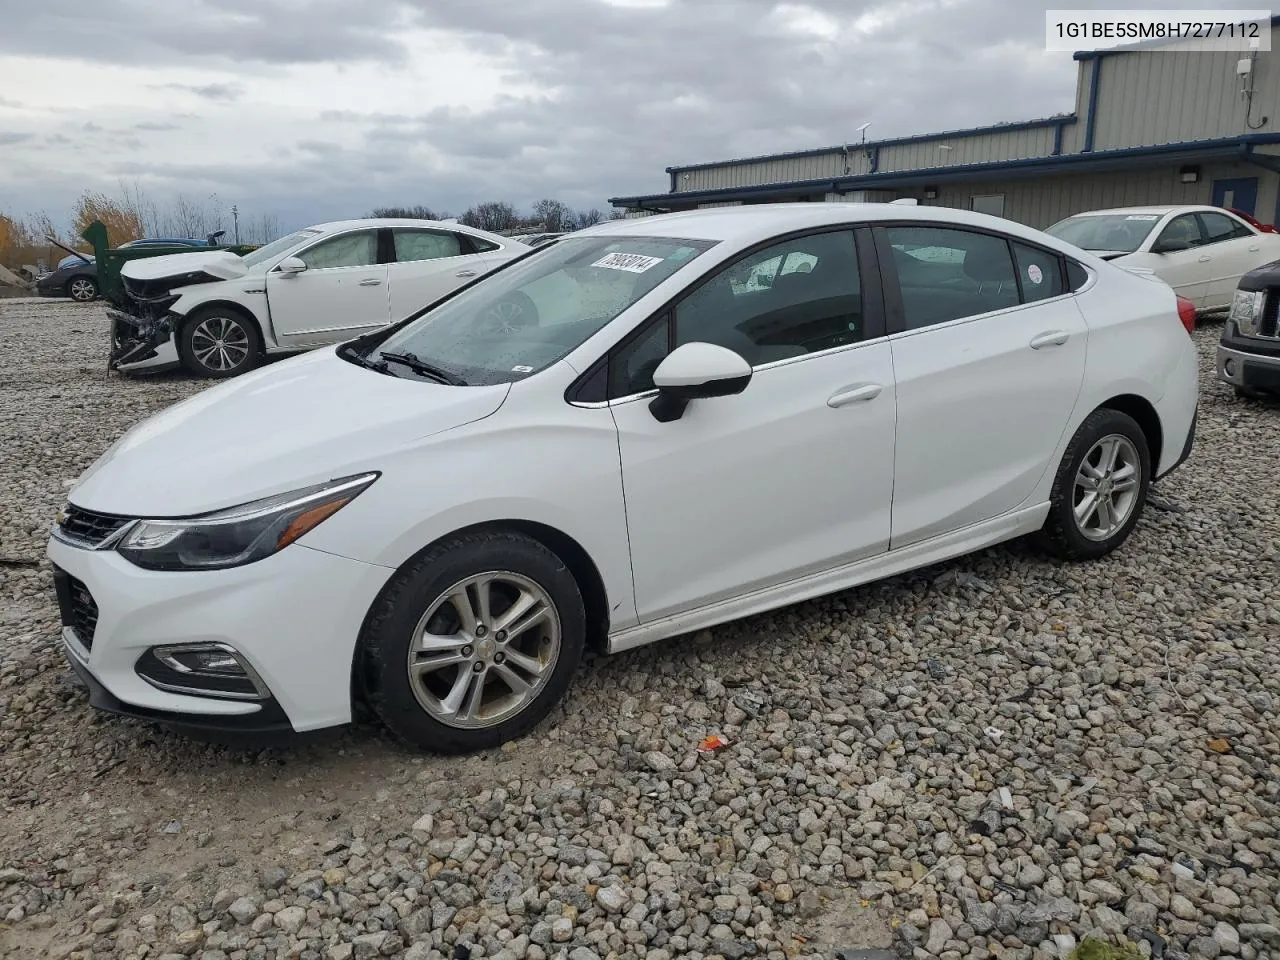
[[991, 758]]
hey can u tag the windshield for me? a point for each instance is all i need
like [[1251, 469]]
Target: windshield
[[275, 247], [1121, 232], [536, 311]]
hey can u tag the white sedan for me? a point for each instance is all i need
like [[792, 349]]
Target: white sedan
[[217, 314], [737, 409], [1202, 252]]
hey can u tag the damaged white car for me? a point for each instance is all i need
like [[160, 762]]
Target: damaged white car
[[218, 314]]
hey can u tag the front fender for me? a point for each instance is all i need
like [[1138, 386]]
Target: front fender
[[250, 297]]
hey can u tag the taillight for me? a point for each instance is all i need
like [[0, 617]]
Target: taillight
[[1187, 314]]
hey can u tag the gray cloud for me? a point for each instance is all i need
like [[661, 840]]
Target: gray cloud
[[157, 126], [12, 104], [237, 31], [629, 90], [221, 92], [7, 138]]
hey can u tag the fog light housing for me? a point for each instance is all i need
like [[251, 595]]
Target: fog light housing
[[202, 670], [1230, 367]]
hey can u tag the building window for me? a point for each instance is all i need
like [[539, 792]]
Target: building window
[[992, 203]]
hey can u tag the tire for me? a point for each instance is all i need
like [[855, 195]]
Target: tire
[[219, 342], [414, 704], [82, 289], [1067, 537]]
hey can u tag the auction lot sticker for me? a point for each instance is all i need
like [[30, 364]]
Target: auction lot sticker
[[631, 262]]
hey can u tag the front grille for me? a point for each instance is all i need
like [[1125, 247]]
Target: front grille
[[76, 606], [1269, 322], [89, 528]]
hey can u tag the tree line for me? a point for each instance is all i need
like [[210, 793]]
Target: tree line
[[551, 216]]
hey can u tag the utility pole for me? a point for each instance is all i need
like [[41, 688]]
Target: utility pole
[[235, 217]]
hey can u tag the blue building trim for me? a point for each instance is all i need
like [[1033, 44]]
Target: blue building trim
[[1058, 122], [1091, 119], [1191, 150], [873, 158], [1057, 140]]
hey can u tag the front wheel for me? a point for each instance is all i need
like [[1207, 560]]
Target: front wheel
[[1100, 488], [82, 289], [218, 342], [474, 643]]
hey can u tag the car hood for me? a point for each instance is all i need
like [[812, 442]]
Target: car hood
[[294, 423], [222, 264]]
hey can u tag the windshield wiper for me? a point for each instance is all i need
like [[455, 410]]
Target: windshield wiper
[[418, 365]]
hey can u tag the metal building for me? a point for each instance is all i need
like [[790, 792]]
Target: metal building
[[1150, 126]]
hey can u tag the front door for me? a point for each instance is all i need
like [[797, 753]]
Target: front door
[[988, 368], [341, 294], [792, 476], [428, 264], [1179, 258], [1239, 193]]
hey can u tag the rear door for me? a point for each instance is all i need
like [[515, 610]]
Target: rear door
[[988, 358], [341, 294], [429, 263]]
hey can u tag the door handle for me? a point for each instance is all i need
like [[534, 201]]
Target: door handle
[[859, 394], [371, 282], [1205, 259], [465, 273], [1055, 338]]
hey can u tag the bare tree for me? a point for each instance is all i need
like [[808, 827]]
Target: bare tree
[[588, 218], [553, 215], [492, 215], [418, 212]]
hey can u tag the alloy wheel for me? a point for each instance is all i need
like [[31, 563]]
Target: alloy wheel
[[82, 289], [220, 343], [1106, 487], [484, 650]]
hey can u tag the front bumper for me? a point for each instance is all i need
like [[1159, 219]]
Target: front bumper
[[1252, 371], [139, 344], [294, 618]]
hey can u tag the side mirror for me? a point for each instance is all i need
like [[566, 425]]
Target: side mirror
[[696, 371], [1170, 246], [291, 266]]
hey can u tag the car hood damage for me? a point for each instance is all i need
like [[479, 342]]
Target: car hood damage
[[176, 463], [217, 264]]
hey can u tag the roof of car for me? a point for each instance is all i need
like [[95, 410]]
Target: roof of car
[[333, 226], [1160, 210], [737, 223]]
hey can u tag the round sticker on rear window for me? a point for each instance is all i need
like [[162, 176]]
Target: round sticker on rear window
[[1034, 274]]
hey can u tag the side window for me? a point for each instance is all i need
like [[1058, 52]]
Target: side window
[[1181, 231], [945, 274], [480, 245], [631, 366], [425, 245], [1077, 276], [791, 298], [349, 250], [1219, 227], [1037, 272]]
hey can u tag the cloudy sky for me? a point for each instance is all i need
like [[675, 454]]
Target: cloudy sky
[[316, 109]]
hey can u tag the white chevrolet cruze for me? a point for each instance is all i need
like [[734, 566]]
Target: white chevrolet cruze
[[726, 411]]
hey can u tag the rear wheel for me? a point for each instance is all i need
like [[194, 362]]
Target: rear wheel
[[1100, 488], [474, 643], [82, 289], [219, 342]]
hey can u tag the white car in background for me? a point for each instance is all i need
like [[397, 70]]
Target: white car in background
[[443, 515], [217, 314], [1200, 251]]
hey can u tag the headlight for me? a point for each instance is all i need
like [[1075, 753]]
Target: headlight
[[238, 535], [1246, 311]]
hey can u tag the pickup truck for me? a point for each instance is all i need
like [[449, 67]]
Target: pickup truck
[[1249, 349], [218, 314]]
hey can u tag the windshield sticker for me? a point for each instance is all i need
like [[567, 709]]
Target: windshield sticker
[[1142, 216], [1034, 274], [631, 262], [522, 369]]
